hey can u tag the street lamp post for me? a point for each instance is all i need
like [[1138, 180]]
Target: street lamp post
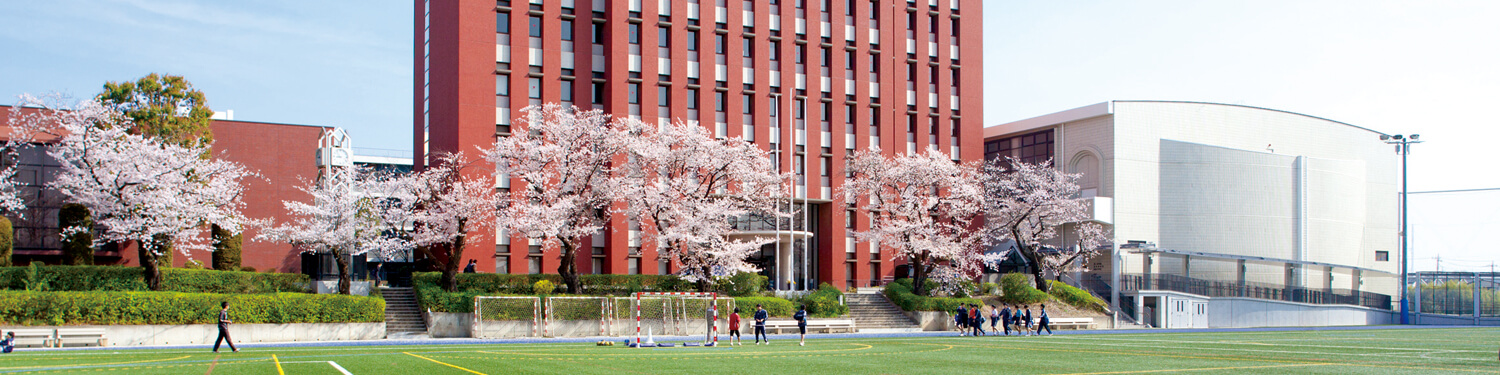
[[1403, 148]]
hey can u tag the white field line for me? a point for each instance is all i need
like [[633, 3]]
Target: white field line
[[395, 349], [340, 368], [1424, 354], [1251, 343]]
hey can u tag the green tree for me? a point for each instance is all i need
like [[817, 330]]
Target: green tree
[[227, 247], [7, 241], [166, 107], [78, 248]]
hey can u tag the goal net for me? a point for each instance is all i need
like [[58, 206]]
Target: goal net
[[576, 316], [665, 314], [508, 316]]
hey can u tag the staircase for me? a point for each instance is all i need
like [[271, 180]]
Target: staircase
[[874, 313], [403, 319]]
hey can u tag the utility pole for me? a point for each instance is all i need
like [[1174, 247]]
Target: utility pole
[[1403, 147]]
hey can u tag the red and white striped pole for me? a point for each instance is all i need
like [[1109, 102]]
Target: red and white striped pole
[[716, 318], [637, 319]]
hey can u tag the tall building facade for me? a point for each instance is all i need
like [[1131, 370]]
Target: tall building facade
[[811, 81]]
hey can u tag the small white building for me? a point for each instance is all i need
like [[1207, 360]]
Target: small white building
[[1224, 200]]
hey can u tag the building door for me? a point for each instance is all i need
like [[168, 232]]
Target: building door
[[1200, 314]]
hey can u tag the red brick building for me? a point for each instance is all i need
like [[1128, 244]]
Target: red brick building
[[809, 80], [283, 154]]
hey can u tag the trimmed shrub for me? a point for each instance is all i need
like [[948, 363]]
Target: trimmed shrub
[[1017, 289], [227, 247], [824, 303], [108, 308], [1077, 297], [7, 241], [989, 289], [900, 293], [775, 306], [742, 284], [116, 278], [78, 249], [543, 287]]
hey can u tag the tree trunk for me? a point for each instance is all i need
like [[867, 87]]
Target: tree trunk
[[704, 283], [1040, 278], [343, 272], [919, 274], [455, 258], [568, 270], [150, 270]]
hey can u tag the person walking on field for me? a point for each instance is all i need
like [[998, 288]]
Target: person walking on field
[[1005, 319], [760, 324], [994, 318], [1027, 319], [801, 317], [959, 318], [224, 328], [976, 319], [1045, 323], [734, 328]]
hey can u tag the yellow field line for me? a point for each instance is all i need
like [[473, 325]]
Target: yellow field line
[[98, 364], [1198, 369], [278, 365], [443, 363]]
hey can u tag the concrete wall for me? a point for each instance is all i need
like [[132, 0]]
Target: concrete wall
[[1235, 312], [460, 325], [358, 288], [932, 320], [1458, 320], [186, 334]]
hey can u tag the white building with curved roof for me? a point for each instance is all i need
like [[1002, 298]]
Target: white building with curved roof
[[1238, 201]]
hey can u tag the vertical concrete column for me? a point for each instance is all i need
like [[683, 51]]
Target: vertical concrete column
[[1476, 298], [1291, 281], [1328, 279], [1187, 271], [1357, 280], [1146, 260]]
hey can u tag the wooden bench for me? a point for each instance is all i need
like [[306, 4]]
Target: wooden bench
[[827, 325], [1074, 323], [85, 335], [42, 337]]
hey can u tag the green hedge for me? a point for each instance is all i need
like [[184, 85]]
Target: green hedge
[[116, 307], [824, 302], [1077, 297], [1017, 289], [775, 306], [900, 293], [116, 278]]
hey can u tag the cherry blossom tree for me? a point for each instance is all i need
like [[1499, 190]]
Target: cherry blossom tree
[[451, 201], [924, 206], [159, 195], [690, 186], [1091, 238], [563, 157], [353, 211], [1028, 202]]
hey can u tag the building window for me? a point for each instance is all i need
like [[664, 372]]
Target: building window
[[692, 41], [749, 48], [1031, 148], [634, 265], [502, 23], [565, 91], [775, 51], [749, 104], [635, 93], [536, 27], [718, 101], [566, 30], [502, 85], [502, 264], [534, 88], [719, 44], [661, 267], [1382, 256], [534, 265], [597, 33], [635, 33], [597, 93], [597, 265], [663, 37], [692, 98], [663, 96]]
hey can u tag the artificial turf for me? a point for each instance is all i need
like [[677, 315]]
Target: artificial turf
[[1379, 351]]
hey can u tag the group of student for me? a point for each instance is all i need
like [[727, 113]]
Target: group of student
[[760, 325], [970, 320]]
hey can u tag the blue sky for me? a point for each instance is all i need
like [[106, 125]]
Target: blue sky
[[1428, 67]]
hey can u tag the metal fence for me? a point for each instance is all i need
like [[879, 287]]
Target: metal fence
[[1455, 293], [1216, 288]]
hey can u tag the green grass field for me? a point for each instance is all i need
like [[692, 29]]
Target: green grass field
[[1444, 351]]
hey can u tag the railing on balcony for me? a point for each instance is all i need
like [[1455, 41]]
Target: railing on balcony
[[1214, 288]]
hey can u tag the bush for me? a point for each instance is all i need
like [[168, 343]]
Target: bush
[[109, 308], [543, 287], [989, 289], [824, 303], [900, 293], [1076, 297], [1017, 289], [742, 284], [78, 249], [227, 247], [775, 306], [116, 278], [7, 241]]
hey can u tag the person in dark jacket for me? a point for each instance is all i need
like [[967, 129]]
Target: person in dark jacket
[[1005, 319], [801, 317], [470, 268], [976, 319], [1045, 323], [760, 324], [1026, 319], [224, 328], [9, 343], [960, 318]]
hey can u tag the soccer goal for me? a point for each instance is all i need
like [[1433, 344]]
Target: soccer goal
[[576, 316], [674, 314], [509, 316]]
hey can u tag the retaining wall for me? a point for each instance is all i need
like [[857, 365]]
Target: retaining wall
[[186, 334]]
